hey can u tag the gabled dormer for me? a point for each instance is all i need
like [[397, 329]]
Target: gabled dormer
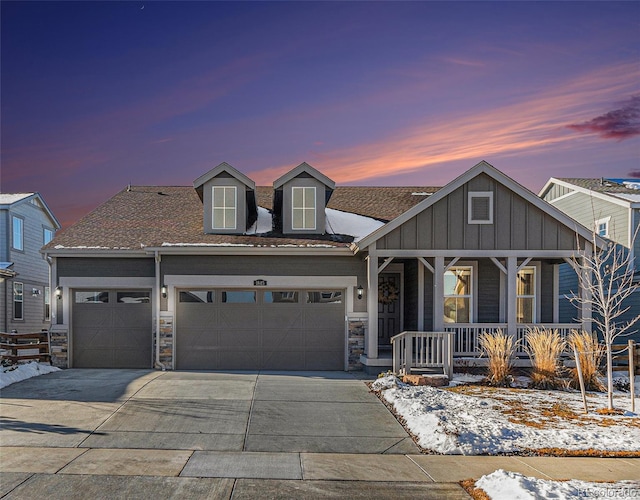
[[229, 200], [299, 199]]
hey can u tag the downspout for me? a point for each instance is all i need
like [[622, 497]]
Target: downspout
[[157, 305]]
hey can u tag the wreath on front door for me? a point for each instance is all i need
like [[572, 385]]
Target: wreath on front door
[[387, 293]]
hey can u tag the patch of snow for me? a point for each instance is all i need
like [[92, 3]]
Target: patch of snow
[[85, 247], [626, 196], [355, 225], [10, 375], [505, 485], [632, 184], [165, 244], [465, 378], [421, 194], [9, 198], [478, 423], [263, 224]]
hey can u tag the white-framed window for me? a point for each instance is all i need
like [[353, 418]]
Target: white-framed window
[[458, 294], [47, 235], [303, 207], [18, 300], [526, 295], [47, 303], [224, 207], [480, 207], [602, 227], [17, 226]]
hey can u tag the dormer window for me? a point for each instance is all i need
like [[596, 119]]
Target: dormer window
[[303, 208], [224, 207]]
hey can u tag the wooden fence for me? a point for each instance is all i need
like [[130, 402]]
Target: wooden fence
[[621, 356], [25, 346]]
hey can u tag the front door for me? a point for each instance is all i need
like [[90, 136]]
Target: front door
[[388, 309]]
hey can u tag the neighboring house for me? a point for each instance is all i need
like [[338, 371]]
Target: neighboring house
[[26, 224], [303, 275], [611, 209]]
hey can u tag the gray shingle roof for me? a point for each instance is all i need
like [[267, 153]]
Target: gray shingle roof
[[600, 185], [150, 216]]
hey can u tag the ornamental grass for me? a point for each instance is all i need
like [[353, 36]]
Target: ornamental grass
[[544, 348], [499, 349], [590, 354]]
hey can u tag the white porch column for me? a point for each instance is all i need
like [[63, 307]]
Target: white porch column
[[438, 295], [371, 342], [512, 273], [420, 297]]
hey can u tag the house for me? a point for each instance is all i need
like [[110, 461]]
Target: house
[[303, 275], [26, 224], [611, 209]]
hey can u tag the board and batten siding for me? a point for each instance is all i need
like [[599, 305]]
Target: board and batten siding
[[86, 267], [517, 224]]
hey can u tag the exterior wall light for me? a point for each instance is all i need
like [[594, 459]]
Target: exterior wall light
[[58, 292], [163, 290], [360, 292]]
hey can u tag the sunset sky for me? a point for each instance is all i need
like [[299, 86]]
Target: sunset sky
[[98, 95]]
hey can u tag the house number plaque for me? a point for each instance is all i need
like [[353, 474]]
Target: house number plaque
[[260, 283]]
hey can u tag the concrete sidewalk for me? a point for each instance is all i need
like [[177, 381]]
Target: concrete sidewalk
[[107, 473]]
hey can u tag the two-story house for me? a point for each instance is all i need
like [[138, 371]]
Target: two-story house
[[26, 224], [303, 274], [611, 209]]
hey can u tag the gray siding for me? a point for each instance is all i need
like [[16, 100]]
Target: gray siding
[[411, 294], [83, 267], [241, 204], [287, 203], [488, 292], [517, 225], [636, 233], [556, 191], [546, 298], [5, 236], [587, 209]]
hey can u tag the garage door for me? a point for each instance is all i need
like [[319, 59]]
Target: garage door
[[111, 329], [260, 329]]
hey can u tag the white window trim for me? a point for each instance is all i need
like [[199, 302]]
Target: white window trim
[[44, 234], [473, 292], [605, 221], [224, 207], [15, 283], [479, 194], [15, 218], [304, 208], [536, 292]]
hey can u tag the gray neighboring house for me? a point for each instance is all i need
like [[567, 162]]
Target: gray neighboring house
[[610, 208], [303, 274], [26, 225]]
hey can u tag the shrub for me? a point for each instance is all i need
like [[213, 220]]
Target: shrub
[[544, 348], [590, 353], [499, 349]]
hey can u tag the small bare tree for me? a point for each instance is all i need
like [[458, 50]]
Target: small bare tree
[[605, 276]]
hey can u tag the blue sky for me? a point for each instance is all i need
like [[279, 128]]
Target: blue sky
[[96, 95]]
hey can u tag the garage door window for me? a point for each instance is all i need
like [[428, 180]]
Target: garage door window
[[92, 297], [134, 297], [324, 297], [198, 296], [239, 297], [289, 297]]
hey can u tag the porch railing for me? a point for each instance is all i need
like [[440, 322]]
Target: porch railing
[[467, 334], [423, 350]]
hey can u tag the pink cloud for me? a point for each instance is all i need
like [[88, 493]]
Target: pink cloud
[[620, 124]]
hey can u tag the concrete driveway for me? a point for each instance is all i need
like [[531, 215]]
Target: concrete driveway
[[317, 412]]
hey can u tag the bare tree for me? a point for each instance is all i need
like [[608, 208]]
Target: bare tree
[[605, 276]]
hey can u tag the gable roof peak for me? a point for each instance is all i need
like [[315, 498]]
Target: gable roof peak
[[224, 167], [304, 167]]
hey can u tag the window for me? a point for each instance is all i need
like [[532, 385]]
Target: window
[[18, 300], [303, 208], [526, 295], [18, 233], [92, 297], [602, 227], [224, 207], [280, 297], [458, 295], [133, 297], [480, 207], [199, 296], [47, 235], [324, 297], [47, 303], [239, 297]]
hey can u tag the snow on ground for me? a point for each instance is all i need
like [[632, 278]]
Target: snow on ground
[[16, 373], [503, 485], [475, 420], [355, 225]]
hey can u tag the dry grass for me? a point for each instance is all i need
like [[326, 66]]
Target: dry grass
[[544, 348], [561, 452], [499, 349], [590, 353], [474, 492]]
